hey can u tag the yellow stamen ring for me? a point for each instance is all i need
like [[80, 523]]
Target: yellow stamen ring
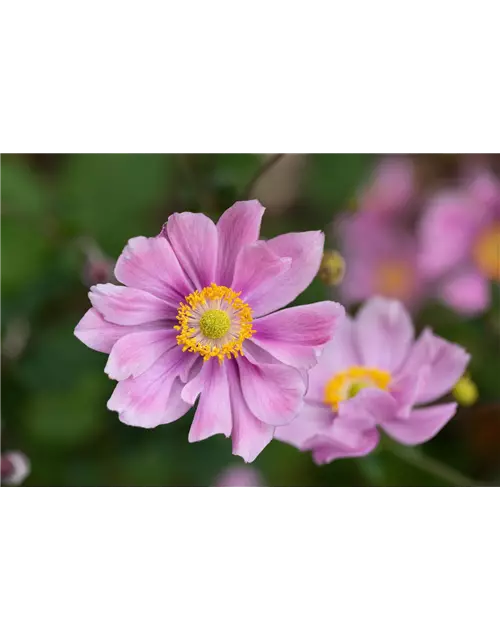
[[348, 383]]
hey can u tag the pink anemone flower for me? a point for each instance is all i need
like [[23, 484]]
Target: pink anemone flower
[[374, 374], [460, 243], [239, 476], [198, 316], [380, 260], [15, 467]]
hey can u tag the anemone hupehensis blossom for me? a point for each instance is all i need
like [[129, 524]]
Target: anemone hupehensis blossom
[[198, 316], [459, 235], [373, 374]]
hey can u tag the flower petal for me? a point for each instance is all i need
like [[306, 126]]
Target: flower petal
[[421, 425], [238, 226], [249, 434], [326, 449], [467, 292], [154, 397], [255, 273], [384, 333], [372, 405], [134, 353], [297, 335], [273, 392], [127, 306], [446, 363], [314, 419], [193, 237], [305, 250], [98, 334], [447, 231], [151, 264], [213, 414], [339, 354]]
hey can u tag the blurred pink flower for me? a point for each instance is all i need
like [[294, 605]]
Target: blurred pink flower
[[459, 237], [373, 374], [380, 260], [14, 468], [239, 476], [390, 191], [171, 331]]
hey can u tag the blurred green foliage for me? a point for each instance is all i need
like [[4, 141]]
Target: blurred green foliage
[[54, 390]]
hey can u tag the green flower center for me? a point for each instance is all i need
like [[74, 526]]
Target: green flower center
[[214, 324]]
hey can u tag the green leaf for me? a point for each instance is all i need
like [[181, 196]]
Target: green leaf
[[113, 197], [333, 179], [25, 194], [69, 418], [24, 252]]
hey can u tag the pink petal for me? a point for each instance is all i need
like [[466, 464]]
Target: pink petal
[[213, 414], [249, 435], [238, 226], [134, 353], [193, 237], [151, 264], [154, 397], [239, 476], [406, 389], [326, 449], [296, 335], [467, 292], [421, 425], [15, 468], [445, 361], [98, 334], [273, 392], [305, 250], [314, 419], [447, 231], [339, 354], [391, 189], [255, 273], [127, 306], [384, 333], [373, 406]]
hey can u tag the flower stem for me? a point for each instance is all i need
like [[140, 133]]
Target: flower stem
[[434, 467]]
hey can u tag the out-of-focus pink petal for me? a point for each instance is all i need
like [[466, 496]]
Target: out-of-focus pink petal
[[213, 414], [98, 334], [239, 476], [445, 361], [468, 292], [384, 333], [134, 353], [152, 398], [249, 435], [127, 306], [314, 419], [297, 335], [305, 250], [447, 231], [151, 264], [238, 226], [484, 187], [338, 355], [406, 389], [15, 468], [391, 190], [193, 237], [325, 450], [421, 425], [255, 274], [273, 392], [372, 405]]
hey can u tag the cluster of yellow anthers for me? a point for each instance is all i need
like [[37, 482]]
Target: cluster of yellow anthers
[[214, 322], [346, 384]]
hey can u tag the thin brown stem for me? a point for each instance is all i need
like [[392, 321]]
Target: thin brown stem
[[264, 168]]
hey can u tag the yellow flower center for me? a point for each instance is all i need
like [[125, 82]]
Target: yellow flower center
[[393, 278], [214, 322], [486, 252], [348, 383]]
